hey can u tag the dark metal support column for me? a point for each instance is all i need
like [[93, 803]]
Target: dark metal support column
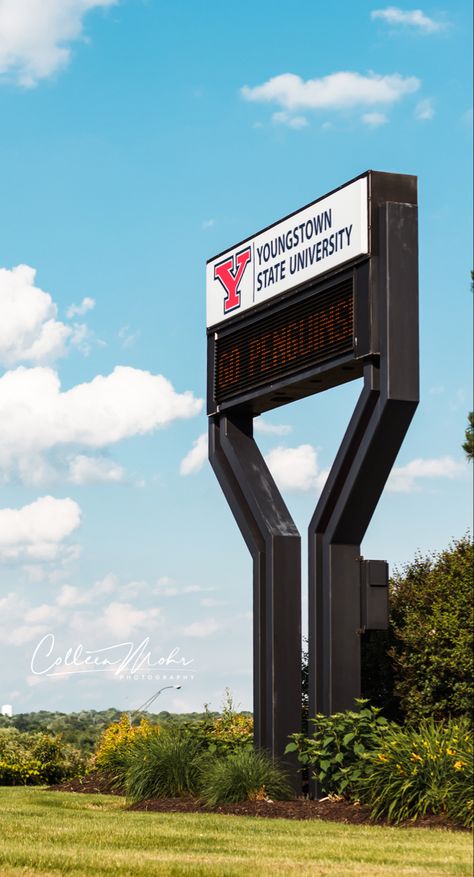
[[375, 433], [274, 543]]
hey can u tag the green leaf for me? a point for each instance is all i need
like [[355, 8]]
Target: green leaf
[[347, 739], [291, 747]]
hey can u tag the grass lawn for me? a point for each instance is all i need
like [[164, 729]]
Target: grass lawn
[[60, 833]]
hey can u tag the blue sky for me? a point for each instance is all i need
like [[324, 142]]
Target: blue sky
[[140, 138]]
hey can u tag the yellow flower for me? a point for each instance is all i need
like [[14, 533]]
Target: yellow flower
[[382, 757], [458, 765], [415, 757], [450, 752]]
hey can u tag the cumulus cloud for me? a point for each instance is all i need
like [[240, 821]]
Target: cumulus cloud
[[93, 470], [122, 619], [296, 468], [337, 91], [404, 479], [37, 417], [267, 428], [196, 457], [87, 304], [374, 120], [35, 36], [29, 330], [37, 531], [424, 110], [411, 18]]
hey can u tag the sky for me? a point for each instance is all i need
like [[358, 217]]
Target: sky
[[139, 139]]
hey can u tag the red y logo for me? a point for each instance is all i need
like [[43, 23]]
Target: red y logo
[[230, 275]]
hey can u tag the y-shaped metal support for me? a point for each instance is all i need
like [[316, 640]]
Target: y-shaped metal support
[[274, 543], [363, 463]]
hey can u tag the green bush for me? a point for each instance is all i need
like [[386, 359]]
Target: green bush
[[241, 776], [415, 771], [163, 765], [36, 759], [432, 647], [333, 752], [225, 733], [423, 664], [115, 746]]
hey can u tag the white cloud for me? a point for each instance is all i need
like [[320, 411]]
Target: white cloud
[[403, 479], [196, 457], [374, 120], [29, 330], [336, 91], [412, 18], [69, 596], [207, 223], [296, 468], [123, 619], [35, 35], [37, 417], [290, 121], [265, 427], [92, 470], [424, 110], [36, 531], [87, 304]]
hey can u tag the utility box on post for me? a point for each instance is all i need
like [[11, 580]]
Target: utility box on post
[[374, 594]]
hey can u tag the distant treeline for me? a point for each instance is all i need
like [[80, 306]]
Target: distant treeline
[[83, 729]]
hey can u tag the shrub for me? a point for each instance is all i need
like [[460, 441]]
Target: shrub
[[243, 775], [225, 733], [418, 771], [116, 744], [35, 759], [432, 646], [164, 765], [334, 750], [423, 664]]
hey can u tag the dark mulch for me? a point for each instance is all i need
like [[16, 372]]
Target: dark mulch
[[329, 809], [93, 783]]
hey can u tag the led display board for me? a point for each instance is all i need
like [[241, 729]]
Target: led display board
[[310, 331]]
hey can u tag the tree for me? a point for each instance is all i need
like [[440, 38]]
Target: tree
[[468, 446]]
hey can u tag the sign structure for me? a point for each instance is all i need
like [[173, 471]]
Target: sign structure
[[310, 242], [326, 295]]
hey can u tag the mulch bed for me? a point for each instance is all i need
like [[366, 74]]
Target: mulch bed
[[329, 809], [92, 784]]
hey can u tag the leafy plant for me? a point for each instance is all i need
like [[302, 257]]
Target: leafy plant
[[35, 759], [116, 744], [416, 771], [432, 634], [164, 765], [243, 775], [334, 750], [224, 733]]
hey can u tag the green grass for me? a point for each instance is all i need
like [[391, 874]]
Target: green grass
[[52, 834]]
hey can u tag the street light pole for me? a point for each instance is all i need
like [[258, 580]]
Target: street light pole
[[151, 700]]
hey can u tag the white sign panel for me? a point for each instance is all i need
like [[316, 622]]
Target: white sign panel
[[297, 249]]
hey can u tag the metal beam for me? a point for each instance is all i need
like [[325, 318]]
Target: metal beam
[[274, 543], [375, 433]]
